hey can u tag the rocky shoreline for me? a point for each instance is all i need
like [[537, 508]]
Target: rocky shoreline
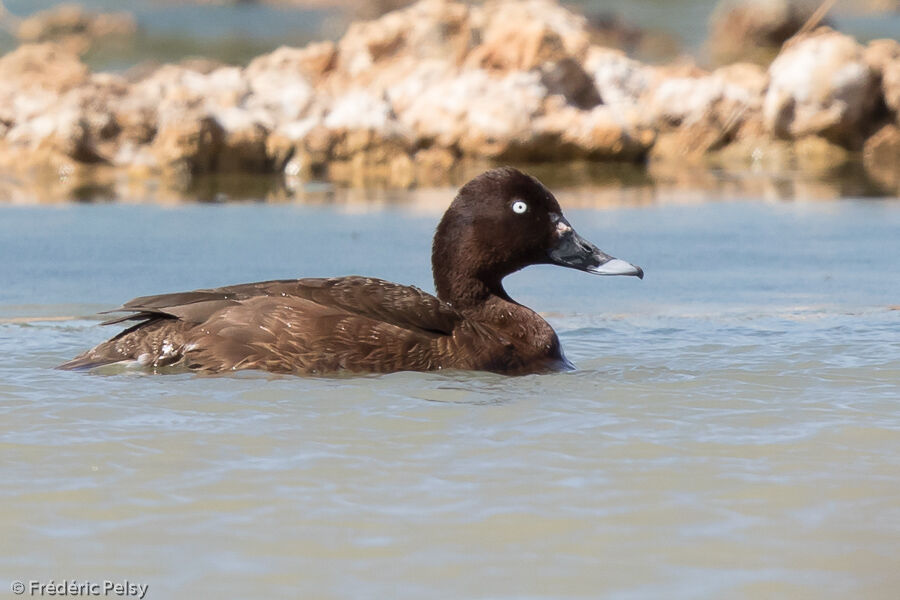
[[414, 96]]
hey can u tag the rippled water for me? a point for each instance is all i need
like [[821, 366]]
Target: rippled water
[[733, 429]]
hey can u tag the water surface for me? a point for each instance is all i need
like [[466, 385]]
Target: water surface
[[732, 430]]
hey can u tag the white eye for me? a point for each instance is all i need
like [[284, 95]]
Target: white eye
[[519, 207]]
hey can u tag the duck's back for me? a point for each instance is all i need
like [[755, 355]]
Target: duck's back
[[355, 324]]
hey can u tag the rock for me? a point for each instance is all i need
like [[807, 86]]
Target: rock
[[701, 114], [173, 90], [476, 113], [749, 76], [282, 99], [430, 29], [148, 68], [303, 148], [881, 53], [136, 121], [61, 120], [74, 27], [286, 140], [309, 64], [243, 143], [45, 68], [881, 157], [73, 138], [188, 144], [360, 110], [754, 30], [200, 64], [500, 36], [380, 161], [434, 161], [364, 133], [517, 46], [319, 141], [676, 101], [600, 133], [821, 84], [169, 88], [438, 88], [60, 137], [98, 130], [536, 35], [698, 115], [815, 154], [497, 17], [72, 19], [690, 142], [890, 85], [568, 79], [618, 79], [435, 167], [883, 56]]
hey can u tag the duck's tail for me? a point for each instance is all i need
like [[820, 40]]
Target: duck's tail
[[156, 342], [103, 354]]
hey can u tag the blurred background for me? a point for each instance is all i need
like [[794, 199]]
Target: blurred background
[[236, 31], [111, 99]]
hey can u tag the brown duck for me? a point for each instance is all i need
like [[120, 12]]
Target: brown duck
[[499, 222]]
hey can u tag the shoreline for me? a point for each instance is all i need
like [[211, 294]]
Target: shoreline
[[420, 96]]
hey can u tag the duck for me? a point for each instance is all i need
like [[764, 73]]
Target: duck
[[499, 222]]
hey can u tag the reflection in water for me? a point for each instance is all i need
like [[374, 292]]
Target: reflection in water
[[584, 184]]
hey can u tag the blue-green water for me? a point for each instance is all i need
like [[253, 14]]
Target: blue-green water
[[172, 31], [733, 428], [236, 32]]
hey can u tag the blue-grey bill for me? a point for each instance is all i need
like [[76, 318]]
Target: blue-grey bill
[[573, 251], [615, 266]]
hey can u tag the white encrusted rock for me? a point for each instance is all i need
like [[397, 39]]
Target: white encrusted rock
[[619, 80], [820, 84], [481, 114]]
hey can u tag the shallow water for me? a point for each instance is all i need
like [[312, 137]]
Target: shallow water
[[733, 428]]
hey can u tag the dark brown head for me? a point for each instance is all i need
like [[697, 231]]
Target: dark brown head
[[502, 221]]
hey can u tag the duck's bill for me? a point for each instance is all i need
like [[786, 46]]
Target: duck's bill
[[615, 266], [575, 252]]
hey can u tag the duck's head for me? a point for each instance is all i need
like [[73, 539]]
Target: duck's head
[[499, 222]]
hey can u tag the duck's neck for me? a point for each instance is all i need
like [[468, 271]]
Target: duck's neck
[[465, 274], [465, 291]]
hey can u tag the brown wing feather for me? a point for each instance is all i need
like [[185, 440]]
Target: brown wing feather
[[401, 305], [291, 334], [306, 325]]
